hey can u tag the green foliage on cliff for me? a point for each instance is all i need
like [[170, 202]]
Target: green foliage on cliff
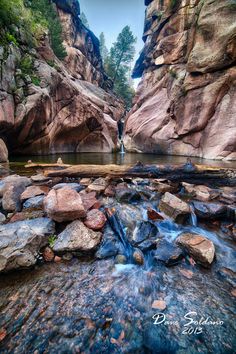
[[32, 18], [118, 65], [103, 49], [44, 12]]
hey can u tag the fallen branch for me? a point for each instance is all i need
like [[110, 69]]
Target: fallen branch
[[188, 172]]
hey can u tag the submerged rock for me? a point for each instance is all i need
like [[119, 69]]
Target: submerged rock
[[64, 204], [168, 253], [77, 236], [199, 247], [174, 207], [95, 219], [21, 241]]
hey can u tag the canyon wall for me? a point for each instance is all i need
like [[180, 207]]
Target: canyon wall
[[186, 101], [60, 106]]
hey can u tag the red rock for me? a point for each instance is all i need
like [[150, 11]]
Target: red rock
[[174, 207], [187, 273], [48, 254], [57, 259], [88, 199], [199, 247], [64, 204], [75, 92], [181, 101], [95, 219], [159, 305], [154, 215], [3, 334], [27, 215], [109, 191], [33, 191]]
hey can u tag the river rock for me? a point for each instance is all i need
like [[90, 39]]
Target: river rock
[[34, 203], [34, 191], [88, 199], [12, 188], [200, 192], [199, 247], [75, 186], [77, 236], [39, 178], [145, 230], [109, 246], [174, 207], [95, 219], [21, 241], [2, 218], [168, 253], [210, 210], [127, 195], [154, 215], [27, 214], [48, 254], [64, 204], [98, 186]]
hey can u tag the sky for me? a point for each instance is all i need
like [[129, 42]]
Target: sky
[[110, 16]]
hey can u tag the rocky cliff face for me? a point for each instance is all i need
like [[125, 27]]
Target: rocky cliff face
[[59, 106], [186, 102]]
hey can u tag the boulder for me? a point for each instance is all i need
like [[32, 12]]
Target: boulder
[[174, 207], [12, 187], [95, 219], [39, 178], [77, 237], [200, 192], [64, 204], [34, 191], [199, 247], [20, 242]]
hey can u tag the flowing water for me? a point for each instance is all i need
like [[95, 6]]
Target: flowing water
[[97, 306]]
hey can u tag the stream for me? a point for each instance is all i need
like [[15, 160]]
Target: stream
[[95, 304]]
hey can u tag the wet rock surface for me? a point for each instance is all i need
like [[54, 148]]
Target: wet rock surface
[[77, 236], [202, 249], [64, 204], [20, 242], [101, 291]]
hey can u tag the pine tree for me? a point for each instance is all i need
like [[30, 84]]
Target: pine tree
[[118, 64], [103, 49], [84, 20]]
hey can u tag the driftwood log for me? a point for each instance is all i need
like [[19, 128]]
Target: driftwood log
[[197, 174]]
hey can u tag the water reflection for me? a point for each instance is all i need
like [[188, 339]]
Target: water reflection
[[117, 158]]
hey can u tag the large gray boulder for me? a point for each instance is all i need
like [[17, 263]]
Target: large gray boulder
[[21, 241], [11, 189], [77, 236]]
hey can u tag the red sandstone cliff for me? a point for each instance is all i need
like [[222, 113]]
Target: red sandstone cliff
[[186, 101], [71, 107]]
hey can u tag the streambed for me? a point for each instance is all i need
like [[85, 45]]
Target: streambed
[[94, 304]]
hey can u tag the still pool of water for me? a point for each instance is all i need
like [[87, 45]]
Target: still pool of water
[[17, 162]]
